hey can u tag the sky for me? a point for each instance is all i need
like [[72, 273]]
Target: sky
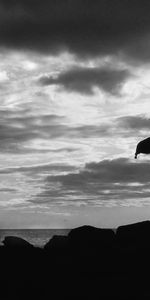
[[74, 103]]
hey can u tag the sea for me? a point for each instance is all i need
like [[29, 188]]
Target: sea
[[36, 237]]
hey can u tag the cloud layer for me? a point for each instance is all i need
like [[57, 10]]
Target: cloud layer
[[82, 27], [74, 84], [17, 129], [84, 80], [112, 182], [134, 122]]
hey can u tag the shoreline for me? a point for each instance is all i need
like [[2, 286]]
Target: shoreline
[[81, 264]]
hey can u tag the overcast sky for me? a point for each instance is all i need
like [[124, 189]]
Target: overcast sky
[[74, 102]]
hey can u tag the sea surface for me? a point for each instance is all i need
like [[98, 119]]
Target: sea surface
[[36, 237]]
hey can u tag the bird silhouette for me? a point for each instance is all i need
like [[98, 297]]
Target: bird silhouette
[[143, 147]]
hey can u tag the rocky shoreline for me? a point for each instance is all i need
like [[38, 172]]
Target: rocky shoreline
[[85, 263]]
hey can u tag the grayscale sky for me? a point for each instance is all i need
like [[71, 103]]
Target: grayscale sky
[[74, 102]]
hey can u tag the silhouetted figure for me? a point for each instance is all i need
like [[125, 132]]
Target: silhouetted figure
[[143, 147]]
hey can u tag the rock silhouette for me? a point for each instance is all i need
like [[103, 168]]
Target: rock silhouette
[[58, 244], [87, 262], [15, 242], [137, 234], [86, 239], [143, 147]]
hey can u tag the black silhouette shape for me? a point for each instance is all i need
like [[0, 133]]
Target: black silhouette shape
[[88, 261], [143, 147], [58, 244], [86, 239], [15, 242], [136, 234]]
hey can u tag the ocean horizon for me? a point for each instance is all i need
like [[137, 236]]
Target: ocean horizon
[[36, 237]]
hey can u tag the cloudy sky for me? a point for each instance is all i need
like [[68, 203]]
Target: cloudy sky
[[74, 102]]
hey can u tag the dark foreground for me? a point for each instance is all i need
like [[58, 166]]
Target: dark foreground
[[89, 263]]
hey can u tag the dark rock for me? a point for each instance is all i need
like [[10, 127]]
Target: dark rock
[[89, 239], [109, 265], [58, 244], [16, 242], [137, 234]]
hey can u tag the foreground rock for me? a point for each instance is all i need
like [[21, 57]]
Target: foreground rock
[[87, 238], [16, 242], [58, 244], [86, 263], [137, 234]]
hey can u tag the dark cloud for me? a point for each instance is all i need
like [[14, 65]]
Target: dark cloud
[[18, 128], [134, 122], [11, 137], [89, 131], [26, 117], [117, 180], [85, 28], [83, 80], [119, 170], [8, 190]]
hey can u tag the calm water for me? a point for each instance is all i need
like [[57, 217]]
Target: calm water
[[37, 237]]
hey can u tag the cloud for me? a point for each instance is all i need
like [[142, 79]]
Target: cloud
[[119, 170], [116, 181], [43, 168], [85, 28], [12, 137], [84, 80], [17, 128], [138, 122], [6, 190]]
